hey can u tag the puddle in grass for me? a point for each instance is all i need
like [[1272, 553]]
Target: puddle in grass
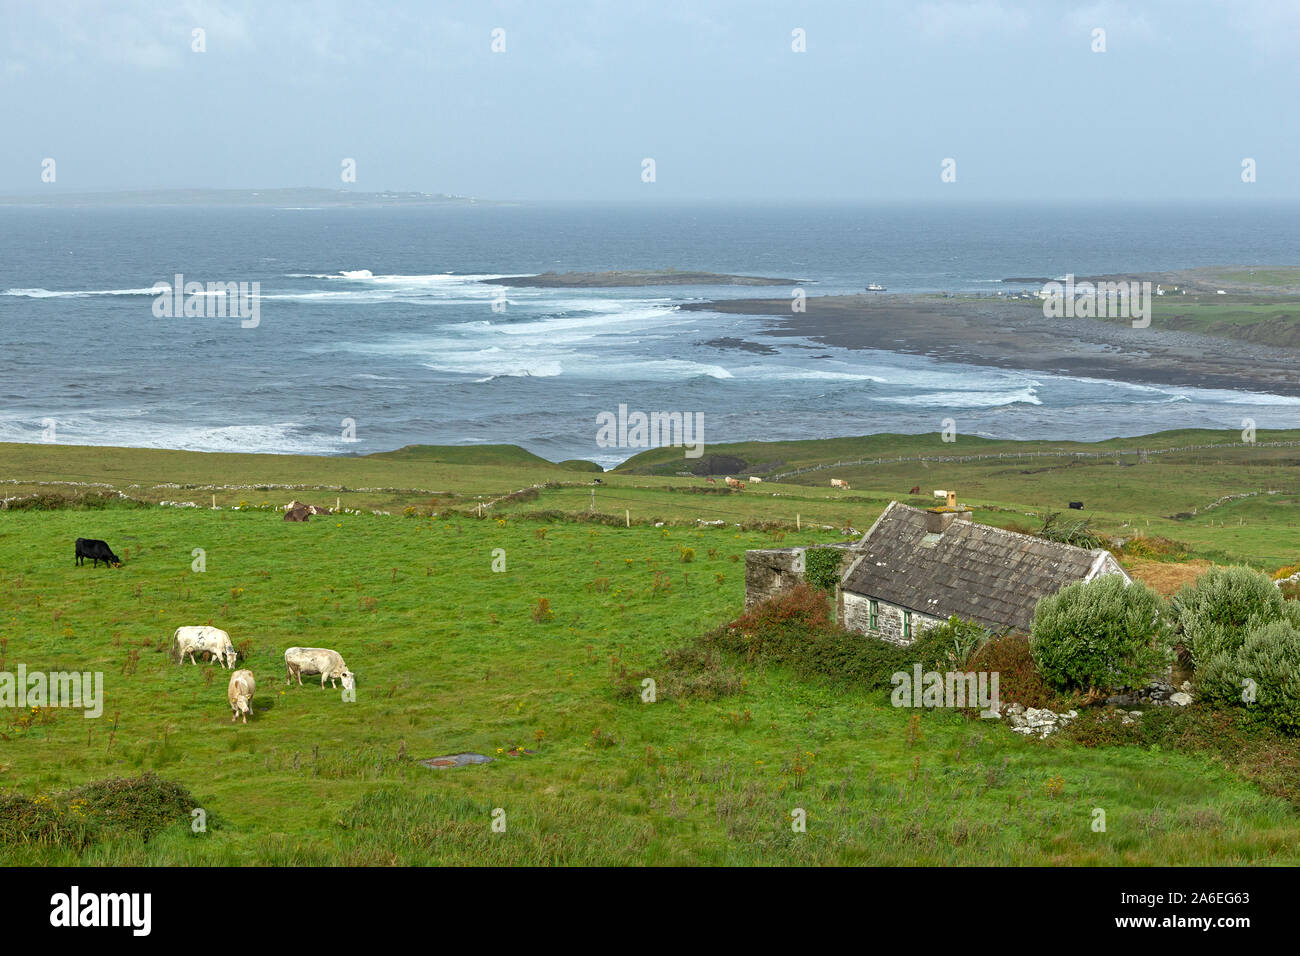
[[455, 760]]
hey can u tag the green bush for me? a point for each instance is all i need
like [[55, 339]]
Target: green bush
[[795, 628], [822, 568], [948, 646], [1100, 634], [1214, 614], [73, 819], [1269, 657]]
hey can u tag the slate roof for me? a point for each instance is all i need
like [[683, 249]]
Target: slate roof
[[972, 570]]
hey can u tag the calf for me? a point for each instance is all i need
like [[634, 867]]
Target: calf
[[188, 640], [710, 481], [240, 694], [316, 660], [1076, 505], [97, 551], [840, 483], [916, 490]]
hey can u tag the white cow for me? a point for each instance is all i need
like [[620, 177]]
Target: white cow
[[214, 640], [757, 481], [840, 483], [940, 493], [240, 694], [317, 660]]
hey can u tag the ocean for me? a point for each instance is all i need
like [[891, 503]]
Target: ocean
[[378, 317]]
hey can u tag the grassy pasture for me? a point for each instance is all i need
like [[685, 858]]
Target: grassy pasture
[[449, 658]]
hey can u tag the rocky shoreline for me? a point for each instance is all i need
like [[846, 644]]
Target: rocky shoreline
[[1014, 334]]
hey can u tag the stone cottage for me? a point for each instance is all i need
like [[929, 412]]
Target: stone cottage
[[916, 568]]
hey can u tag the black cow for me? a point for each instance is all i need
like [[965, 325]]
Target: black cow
[[97, 551], [1076, 505]]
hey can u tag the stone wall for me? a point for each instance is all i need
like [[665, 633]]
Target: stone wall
[[855, 612], [772, 571], [768, 573]]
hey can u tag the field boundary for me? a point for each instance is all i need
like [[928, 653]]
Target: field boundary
[[958, 459]]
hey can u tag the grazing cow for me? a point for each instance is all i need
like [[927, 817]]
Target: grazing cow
[[1076, 505], [188, 640], [840, 483], [916, 490], [732, 482], [757, 481], [240, 694], [315, 660], [97, 551], [940, 493], [710, 481]]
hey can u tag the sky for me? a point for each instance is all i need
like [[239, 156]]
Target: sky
[[712, 91]]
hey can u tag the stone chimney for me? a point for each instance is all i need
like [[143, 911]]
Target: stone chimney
[[938, 520]]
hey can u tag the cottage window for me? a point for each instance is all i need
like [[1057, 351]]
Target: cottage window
[[874, 615], [907, 623]]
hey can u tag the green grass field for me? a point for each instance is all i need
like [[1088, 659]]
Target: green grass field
[[449, 658]]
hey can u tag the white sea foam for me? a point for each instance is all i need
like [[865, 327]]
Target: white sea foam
[[74, 293], [969, 399], [133, 428]]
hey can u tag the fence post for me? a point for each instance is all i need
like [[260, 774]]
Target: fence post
[[627, 514]]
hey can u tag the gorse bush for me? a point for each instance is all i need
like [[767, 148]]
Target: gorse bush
[[1100, 634], [73, 819], [1214, 614]]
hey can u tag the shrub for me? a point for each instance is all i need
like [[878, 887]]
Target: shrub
[[1100, 634], [795, 628], [685, 672], [1074, 532], [1018, 679], [1214, 614], [1269, 657], [1154, 548], [542, 611], [73, 819], [949, 645]]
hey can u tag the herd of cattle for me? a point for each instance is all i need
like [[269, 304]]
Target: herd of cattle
[[739, 485], [213, 641], [205, 639]]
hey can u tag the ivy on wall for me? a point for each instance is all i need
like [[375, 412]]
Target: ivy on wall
[[822, 568]]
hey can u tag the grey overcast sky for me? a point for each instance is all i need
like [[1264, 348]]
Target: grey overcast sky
[[710, 89]]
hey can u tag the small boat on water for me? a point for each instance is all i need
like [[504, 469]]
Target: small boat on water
[[875, 287]]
